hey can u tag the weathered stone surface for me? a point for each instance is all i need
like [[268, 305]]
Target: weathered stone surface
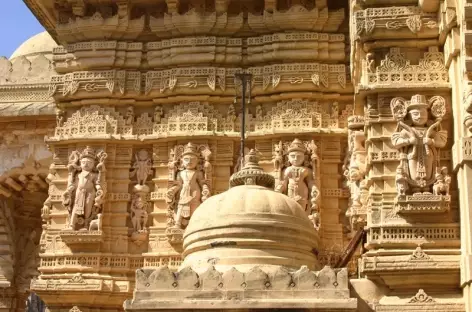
[[374, 137]]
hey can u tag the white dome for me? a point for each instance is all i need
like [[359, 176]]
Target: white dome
[[250, 224], [41, 43]]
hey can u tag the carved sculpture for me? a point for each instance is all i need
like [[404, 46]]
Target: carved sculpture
[[298, 179], [421, 182], [59, 117], [191, 182], [419, 140], [86, 187], [142, 166], [443, 182], [129, 116], [158, 113], [355, 172]]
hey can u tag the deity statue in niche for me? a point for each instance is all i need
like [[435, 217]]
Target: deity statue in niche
[[129, 119], [86, 188], [418, 138], [355, 169], [297, 179], [158, 113], [139, 213], [191, 183], [142, 166]]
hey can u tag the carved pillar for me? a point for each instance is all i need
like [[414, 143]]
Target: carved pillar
[[408, 129], [461, 74]]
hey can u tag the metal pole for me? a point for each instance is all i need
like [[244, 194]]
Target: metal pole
[[244, 79]]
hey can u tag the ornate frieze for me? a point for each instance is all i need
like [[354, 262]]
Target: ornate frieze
[[190, 80], [298, 77], [199, 118], [115, 83], [434, 234], [99, 27], [91, 55], [297, 17], [390, 22], [194, 23], [296, 46], [94, 120], [396, 70], [194, 50]]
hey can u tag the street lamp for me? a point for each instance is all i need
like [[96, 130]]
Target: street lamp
[[245, 79]]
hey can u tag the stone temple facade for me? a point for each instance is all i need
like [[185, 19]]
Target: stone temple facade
[[120, 129]]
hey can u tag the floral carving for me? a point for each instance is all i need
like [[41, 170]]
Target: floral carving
[[421, 297], [90, 121], [396, 69], [392, 18]]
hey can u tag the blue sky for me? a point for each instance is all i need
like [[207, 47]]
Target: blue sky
[[17, 24]]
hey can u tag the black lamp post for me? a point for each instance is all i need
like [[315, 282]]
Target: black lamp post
[[245, 79]]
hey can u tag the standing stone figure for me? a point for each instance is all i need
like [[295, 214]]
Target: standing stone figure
[[297, 180], [190, 187], [142, 166], [356, 169], [139, 214], [419, 139], [158, 112], [85, 188]]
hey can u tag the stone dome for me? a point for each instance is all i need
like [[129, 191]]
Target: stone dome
[[41, 43], [250, 225]]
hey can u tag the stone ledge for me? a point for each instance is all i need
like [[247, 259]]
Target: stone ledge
[[235, 305], [259, 287]]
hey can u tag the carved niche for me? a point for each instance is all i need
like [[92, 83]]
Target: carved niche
[[296, 166], [190, 177], [85, 195], [422, 184], [355, 170], [141, 169]]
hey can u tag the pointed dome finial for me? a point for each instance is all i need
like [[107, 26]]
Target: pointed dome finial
[[252, 173]]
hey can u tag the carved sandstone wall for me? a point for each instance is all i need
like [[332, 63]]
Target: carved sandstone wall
[[376, 92]]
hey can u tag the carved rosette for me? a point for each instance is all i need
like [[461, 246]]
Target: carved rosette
[[190, 183], [422, 184]]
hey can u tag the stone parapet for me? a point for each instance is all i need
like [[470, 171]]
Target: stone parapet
[[161, 289]]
